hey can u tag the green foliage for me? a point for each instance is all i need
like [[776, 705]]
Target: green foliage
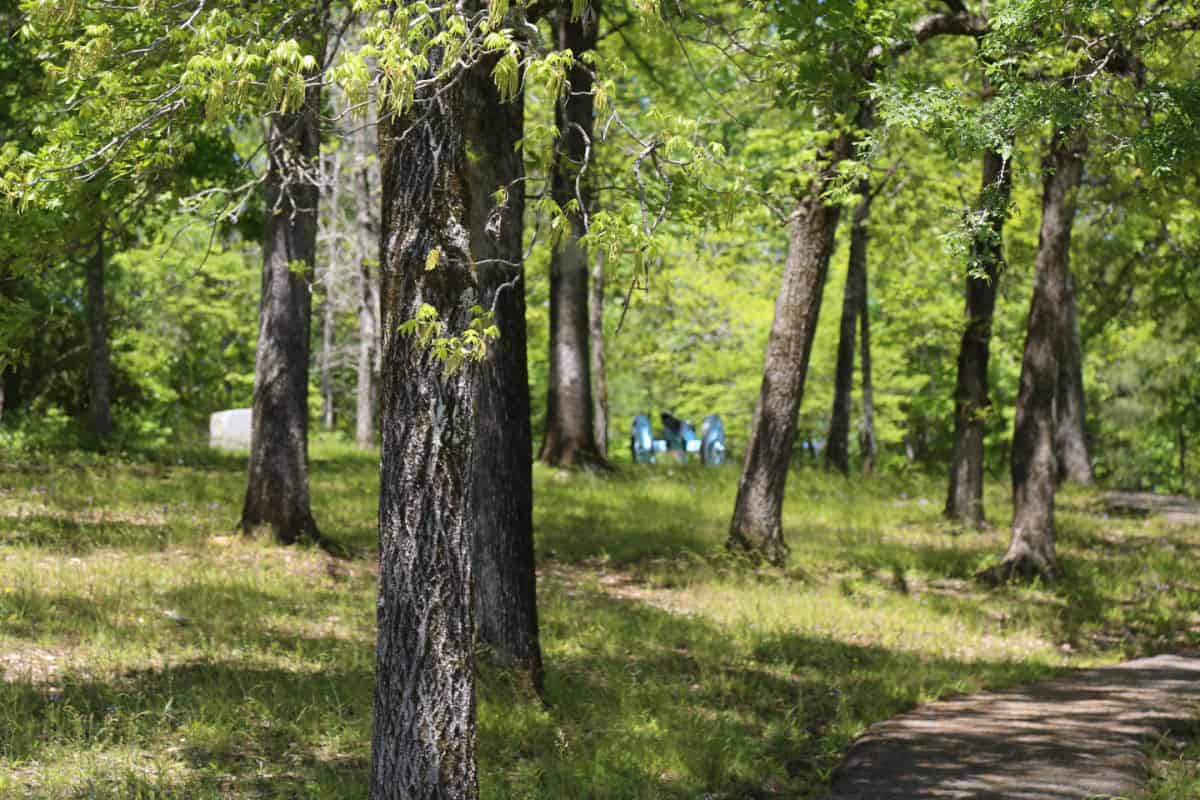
[[452, 350]]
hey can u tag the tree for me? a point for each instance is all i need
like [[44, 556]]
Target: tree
[[866, 434], [1034, 464], [756, 527], [837, 443], [366, 181], [599, 373], [277, 482], [972, 398], [423, 745], [502, 476], [99, 409], [757, 514], [1070, 436], [331, 174], [570, 437]]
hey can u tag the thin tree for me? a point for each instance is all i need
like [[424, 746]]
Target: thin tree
[[277, 488], [1070, 431], [599, 371], [866, 434], [570, 437], [366, 184], [837, 441], [757, 516], [972, 397], [331, 175], [757, 524], [99, 406], [1034, 463]]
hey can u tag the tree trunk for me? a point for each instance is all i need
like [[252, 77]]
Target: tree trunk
[[837, 442], [423, 745], [277, 490], [599, 373], [1183, 451], [866, 436], [328, 321], [1031, 551], [505, 581], [570, 434], [972, 398], [366, 389], [1070, 432], [756, 527], [99, 408]]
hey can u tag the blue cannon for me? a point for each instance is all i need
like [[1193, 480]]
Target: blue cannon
[[679, 440]]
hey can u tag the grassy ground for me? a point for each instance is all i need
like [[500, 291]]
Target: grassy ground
[[148, 652]]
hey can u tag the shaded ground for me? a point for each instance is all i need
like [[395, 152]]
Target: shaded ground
[[1076, 737], [146, 651]]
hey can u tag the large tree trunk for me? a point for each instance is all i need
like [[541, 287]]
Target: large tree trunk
[[866, 435], [277, 489], [423, 746], [570, 435], [599, 371], [505, 591], [1070, 432], [366, 389], [99, 407], [972, 399], [1031, 551], [837, 443], [756, 527]]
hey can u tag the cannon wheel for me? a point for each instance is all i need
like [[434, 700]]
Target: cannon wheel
[[712, 435], [641, 441]]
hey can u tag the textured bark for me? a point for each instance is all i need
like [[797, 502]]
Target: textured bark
[[423, 746], [505, 583], [1031, 551], [367, 389], [599, 372], [756, 527], [866, 435], [277, 489], [837, 442], [1070, 432], [972, 397], [99, 407], [570, 435]]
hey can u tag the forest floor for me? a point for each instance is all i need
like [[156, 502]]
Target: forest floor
[[147, 651]]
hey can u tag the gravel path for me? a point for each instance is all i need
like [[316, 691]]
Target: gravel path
[[1076, 737]]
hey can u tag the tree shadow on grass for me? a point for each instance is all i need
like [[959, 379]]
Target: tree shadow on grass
[[688, 709], [651, 516], [64, 534], [239, 729]]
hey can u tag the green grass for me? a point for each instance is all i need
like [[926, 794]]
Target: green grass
[[149, 652], [1174, 770]]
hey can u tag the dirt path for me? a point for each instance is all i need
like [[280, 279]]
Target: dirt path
[[1075, 737], [1173, 508]]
